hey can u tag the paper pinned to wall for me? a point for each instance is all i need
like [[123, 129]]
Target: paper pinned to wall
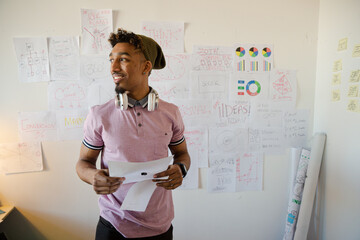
[[253, 57], [356, 51], [64, 58], [169, 35], [355, 76], [227, 140], [268, 140], [21, 157], [177, 69], [249, 86], [342, 44], [100, 93], [335, 95], [211, 58], [283, 88], [209, 85], [231, 113], [172, 90], [196, 112], [249, 171], [70, 124], [197, 141], [67, 95], [221, 173], [96, 26], [33, 59], [296, 127], [94, 68], [191, 181], [337, 66], [353, 91], [37, 126], [263, 114]]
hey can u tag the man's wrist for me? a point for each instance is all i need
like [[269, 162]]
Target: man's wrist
[[182, 168]]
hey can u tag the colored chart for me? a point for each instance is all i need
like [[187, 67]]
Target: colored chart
[[258, 88], [240, 51], [253, 51], [266, 52]]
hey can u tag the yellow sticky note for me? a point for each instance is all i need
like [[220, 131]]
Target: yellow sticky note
[[342, 44], [355, 76], [356, 51], [337, 65], [336, 79], [353, 91], [353, 105], [335, 95]]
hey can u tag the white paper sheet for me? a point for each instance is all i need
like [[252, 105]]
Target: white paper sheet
[[197, 141], [195, 112], [249, 86], [263, 115], [249, 171], [20, 157], [283, 88], [33, 59], [100, 93], [177, 69], [67, 95], [64, 58], [70, 124], [231, 112], [142, 173], [229, 140], [37, 126], [172, 91], [95, 68], [222, 173], [253, 57], [209, 85], [96, 26], [267, 140], [212, 58], [169, 35], [296, 127]]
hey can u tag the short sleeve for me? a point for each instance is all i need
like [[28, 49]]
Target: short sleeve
[[93, 131], [178, 129]]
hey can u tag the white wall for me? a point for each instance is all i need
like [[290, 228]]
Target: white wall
[[55, 204], [340, 179]]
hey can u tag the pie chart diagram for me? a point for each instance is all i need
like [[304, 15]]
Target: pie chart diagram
[[266, 52], [240, 52], [253, 51]]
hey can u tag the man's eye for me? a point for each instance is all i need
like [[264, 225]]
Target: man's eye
[[111, 60]]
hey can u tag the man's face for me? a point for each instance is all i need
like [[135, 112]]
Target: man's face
[[127, 67]]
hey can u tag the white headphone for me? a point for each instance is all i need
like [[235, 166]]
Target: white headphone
[[121, 100]]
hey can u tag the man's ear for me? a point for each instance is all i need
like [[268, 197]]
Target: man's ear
[[147, 68]]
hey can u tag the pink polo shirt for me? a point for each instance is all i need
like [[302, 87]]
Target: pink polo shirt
[[135, 135]]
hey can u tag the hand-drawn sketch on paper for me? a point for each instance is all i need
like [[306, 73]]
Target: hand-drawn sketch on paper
[[207, 85], [96, 26], [283, 87], [169, 35], [197, 140], [100, 92], [20, 157], [211, 58], [37, 126], [222, 173], [177, 69], [227, 140], [67, 95], [231, 113], [355, 76], [249, 171], [335, 95], [263, 115], [70, 124], [196, 112], [296, 127], [33, 59], [94, 68], [64, 58], [172, 90]]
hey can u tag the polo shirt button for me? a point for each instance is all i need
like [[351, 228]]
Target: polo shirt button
[[138, 114], [140, 125]]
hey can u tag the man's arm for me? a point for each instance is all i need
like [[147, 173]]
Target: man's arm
[[173, 172], [99, 178]]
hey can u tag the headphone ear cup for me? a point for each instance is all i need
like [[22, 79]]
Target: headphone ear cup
[[152, 101], [124, 101], [121, 101]]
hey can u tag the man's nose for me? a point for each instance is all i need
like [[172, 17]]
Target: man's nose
[[115, 66]]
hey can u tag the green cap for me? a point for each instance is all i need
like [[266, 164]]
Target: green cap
[[152, 52]]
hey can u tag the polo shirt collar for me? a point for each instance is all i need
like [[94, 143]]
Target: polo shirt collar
[[142, 102]]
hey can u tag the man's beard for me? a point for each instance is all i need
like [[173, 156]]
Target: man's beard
[[119, 90]]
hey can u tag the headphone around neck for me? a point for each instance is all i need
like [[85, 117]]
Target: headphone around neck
[[122, 102]]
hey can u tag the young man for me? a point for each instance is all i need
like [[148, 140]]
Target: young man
[[137, 134]]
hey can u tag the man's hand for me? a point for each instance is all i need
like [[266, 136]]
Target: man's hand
[[103, 184], [174, 179]]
